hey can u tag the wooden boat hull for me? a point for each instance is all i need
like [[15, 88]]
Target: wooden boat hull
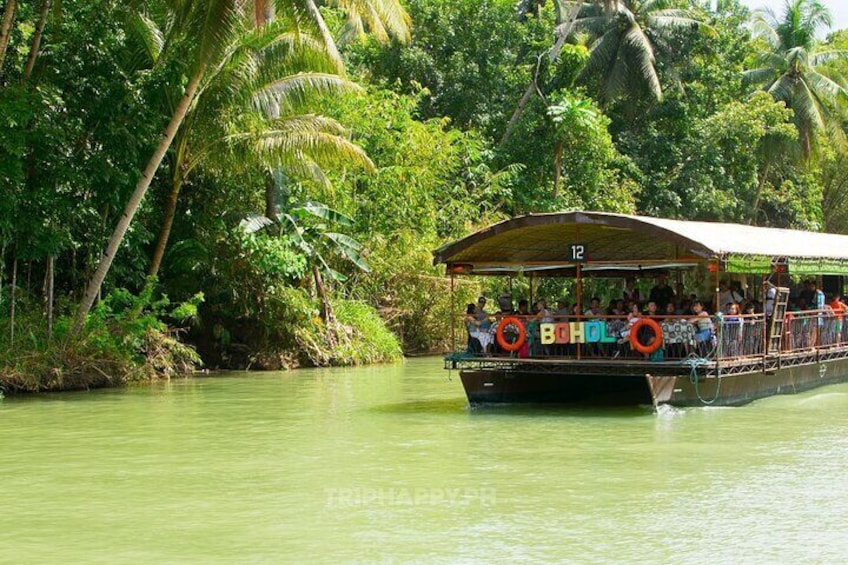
[[630, 388]]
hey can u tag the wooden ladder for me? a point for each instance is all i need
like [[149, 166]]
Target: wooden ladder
[[778, 316]]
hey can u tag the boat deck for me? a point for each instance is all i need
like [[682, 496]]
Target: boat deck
[[642, 367]]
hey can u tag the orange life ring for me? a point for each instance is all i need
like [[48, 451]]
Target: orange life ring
[[522, 334], [634, 336]]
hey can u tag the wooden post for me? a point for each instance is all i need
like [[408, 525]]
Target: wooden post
[[579, 301], [453, 313], [532, 298], [719, 329]]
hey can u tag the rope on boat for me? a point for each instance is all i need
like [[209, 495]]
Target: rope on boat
[[694, 361]]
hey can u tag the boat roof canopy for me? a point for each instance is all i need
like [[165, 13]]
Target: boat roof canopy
[[543, 243]]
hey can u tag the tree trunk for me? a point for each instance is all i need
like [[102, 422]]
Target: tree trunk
[[12, 299], [270, 192], [755, 207], [167, 222], [557, 168], [563, 32], [2, 269], [263, 11], [327, 313], [132, 206], [329, 42], [51, 262], [6, 29], [36, 39]]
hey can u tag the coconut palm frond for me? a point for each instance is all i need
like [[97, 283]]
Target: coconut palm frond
[[782, 89], [297, 91], [592, 24], [149, 33], [828, 90], [643, 55], [822, 57], [760, 75], [601, 54], [616, 80], [381, 18], [762, 24]]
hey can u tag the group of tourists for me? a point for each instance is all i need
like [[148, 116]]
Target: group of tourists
[[683, 319]]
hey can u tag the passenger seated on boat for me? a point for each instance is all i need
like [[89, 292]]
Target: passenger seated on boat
[[472, 326], [624, 335], [674, 349], [481, 315], [562, 310], [594, 308], [651, 310], [703, 327], [646, 336]]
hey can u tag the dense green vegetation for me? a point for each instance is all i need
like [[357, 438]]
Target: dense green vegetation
[[282, 169]]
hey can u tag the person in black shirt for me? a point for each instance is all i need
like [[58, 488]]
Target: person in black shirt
[[662, 293]]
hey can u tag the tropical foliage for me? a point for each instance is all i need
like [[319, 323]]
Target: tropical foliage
[[295, 162]]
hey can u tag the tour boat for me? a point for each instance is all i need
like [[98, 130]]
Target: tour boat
[[589, 358]]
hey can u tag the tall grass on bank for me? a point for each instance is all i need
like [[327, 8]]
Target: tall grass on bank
[[362, 338]]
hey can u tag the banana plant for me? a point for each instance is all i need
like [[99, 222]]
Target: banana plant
[[309, 225]]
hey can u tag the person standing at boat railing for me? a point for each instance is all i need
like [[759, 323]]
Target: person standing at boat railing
[[839, 310], [731, 330]]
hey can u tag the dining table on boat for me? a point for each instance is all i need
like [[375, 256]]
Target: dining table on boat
[[678, 331]]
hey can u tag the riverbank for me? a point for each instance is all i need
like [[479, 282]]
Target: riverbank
[[125, 341]]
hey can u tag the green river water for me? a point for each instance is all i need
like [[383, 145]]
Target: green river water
[[389, 465]]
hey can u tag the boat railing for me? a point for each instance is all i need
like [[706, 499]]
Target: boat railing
[[602, 337], [813, 329], [740, 335], [598, 337]]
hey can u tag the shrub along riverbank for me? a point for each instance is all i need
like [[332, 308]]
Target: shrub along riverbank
[[131, 339]]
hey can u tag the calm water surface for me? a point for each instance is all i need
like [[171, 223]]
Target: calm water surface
[[388, 465]]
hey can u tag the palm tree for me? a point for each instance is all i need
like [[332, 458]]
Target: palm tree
[[627, 35], [790, 66], [202, 29], [6, 28], [256, 106], [380, 18]]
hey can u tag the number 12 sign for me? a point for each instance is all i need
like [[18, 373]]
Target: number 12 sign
[[577, 253]]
